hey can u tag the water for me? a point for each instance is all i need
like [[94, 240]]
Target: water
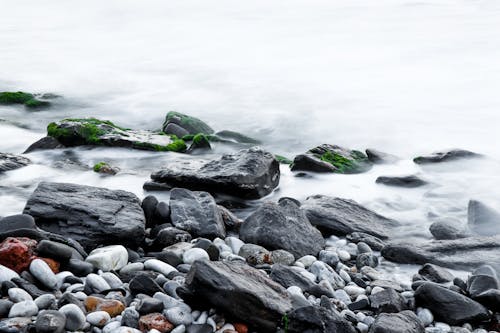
[[406, 77]]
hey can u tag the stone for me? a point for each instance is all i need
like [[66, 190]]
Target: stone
[[161, 213], [449, 306], [5, 306], [149, 305], [343, 216], [79, 267], [445, 230], [387, 300], [170, 236], [403, 322], [255, 254], [288, 276], [478, 284], [237, 137], [178, 316], [378, 157], [372, 241], [282, 226], [10, 162], [23, 309], [190, 124], [194, 254], [324, 272], [316, 319], [447, 156], [98, 318], [92, 216], [50, 321], [282, 257], [176, 130], [435, 273], [261, 301], [17, 295], [130, 317], [75, 318], [16, 222], [482, 220], [17, 253], [108, 258], [112, 306], [331, 158], [155, 321], [148, 206], [366, 259], [143, 284], [55, 250], [46, 142], [231, 221], [97, 283], [401, 181], [159, 266], [425, 316], [250, 174], [209, 247], [197, 213], [42, 272], [45, 301]]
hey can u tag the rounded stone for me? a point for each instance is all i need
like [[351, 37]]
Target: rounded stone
[[45, 301], [42, 272], [178, 316], [194, 254], [108, 258], [17, 295], [23, 309], [98, 318], [130, 317], [50, 321], [75, 319], [97, 283], [159, 266], [425, 315]]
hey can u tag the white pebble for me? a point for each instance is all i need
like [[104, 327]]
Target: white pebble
[[108, 258]]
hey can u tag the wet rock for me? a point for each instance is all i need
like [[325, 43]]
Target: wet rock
[[282, 226], [108, 258], [435, 273], [17, 295], [200, 141], [372, 241], [387, 300], [54, 250], [478, 284], [17, 253], [482, 220], [155, 321], [91, 215], [143, 284], [50, 321], [403, 322], [231, 221], [449, 306], [5, 306], [11, 162], [197, 213], [46, 142], [79, 267], [130, 317], [105, 169], [444, 230], [447, 156], [250, 173], [149, 305], [401, 181], [191, 125], [378, 157], [330, 158], [343, 216], [289, 276], [170, 236], [317, 319], [261, 301]]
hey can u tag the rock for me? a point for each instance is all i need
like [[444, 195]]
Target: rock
[[130, 317], [5, 306], [435, 273], [17, 295], [108, 258], [112, 306], [194, 254], [282, 226], [16, 222], [54, 250], [330, 158], [200, 141], [170, 236], [210, 248], [45, 301], [42, 272], [17, 253], [95, 132], [366, 259], [50, 321], [29, 100], [288, 276], [325, 272], [46, 142], [401, 181], [343, 216], [11, 162], [79, 267], [176, 130], [105, 169], [178, 316], [388, 300], [98, 318], [444, 230], [316, 319], [155, 321], [75, 318], [449, 306], [378, 157], [149, 305], [490, 299], [149, 204], [451, 155], [372, 241], [403, 322], [466, 253], [143, 284], [159, 266], [282, 257], [261, 301], [255, 254], [90, 215], [478, 284], [23, 309], [197, 213], [250, 173], [190, 124], [161, 213], [231, 221], [482, 220]]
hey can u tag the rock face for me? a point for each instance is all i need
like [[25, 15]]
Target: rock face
[[343, 216], [447, 156], [90, 215], [482, 220], [260, 301], [449, 306], [331, 158], [466, 253], [402, 181], [190, 124], [282, 226], [11, 162], [197, 213], [95, 132], [403, 322], [250, 173]]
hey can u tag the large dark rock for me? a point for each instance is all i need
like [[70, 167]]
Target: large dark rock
[[331, 158], [435, 273], [11, 162], [250, 173], [388, 300], [401, 181], [344, 216], [403, 322], [282, 226], [46, 142], [449, 306], [482, 220], [241, 291], [316, 319], [197, 213], [90, 215], [466, 253], [451, 155], [191, 125]]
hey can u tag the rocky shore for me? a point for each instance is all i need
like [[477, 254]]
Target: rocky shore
[[80, 258]]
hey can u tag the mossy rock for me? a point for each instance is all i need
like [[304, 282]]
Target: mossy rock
[[94, 132], [105, 168], [27, 99], [191, 124], [283, 159], [237, 137], [200, 141], [331, 158]]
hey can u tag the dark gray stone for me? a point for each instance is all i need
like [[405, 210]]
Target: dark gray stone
[[149, 305], [403, 322], [282, 226], [170, 236], [378, 157], [191, 124], [50, 321], [447, 156], [388, 300], [288, 276], [478, 284], [176, 130], [11, 162], [482, 220], [58, 251], [374, 242], [445, 230], [148, 206], [91, 215], [435, 273], [47, 142], [16, 222], [401, 181], [316, 319]]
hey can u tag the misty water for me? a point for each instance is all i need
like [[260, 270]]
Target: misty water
[[404, 77]]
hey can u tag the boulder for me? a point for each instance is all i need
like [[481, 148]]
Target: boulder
[[446, 156], [482, 220], [317, 319], [46, 142], [435, 273], [282, 226], [90, 215], [401, 181], [197, 213], [11, 162], [378, 157], [191, 125], [449, 306], [344, 216], [250, 173], [403, 322], [241, 291], [445, 230], [331, 158], [17, 253]]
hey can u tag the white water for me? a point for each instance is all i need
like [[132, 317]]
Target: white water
[[406, 77]]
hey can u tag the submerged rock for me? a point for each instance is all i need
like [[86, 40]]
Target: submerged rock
[[191, 125], [241, 291], [482, 220], [27, 99], [447, 156], [250, 173], [282, 226], [11, 162], [105, 168], [92, 216], [401, 181], [330, 158], [95, 132], [46, 142], [378, 157], [237, 137], [445, 230], [344, 216]]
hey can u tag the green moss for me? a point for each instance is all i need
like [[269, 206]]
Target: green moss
[[342, 163], [283, 159], [55, 131], [18, 97], [191, 124], [36, 103], [99, 166], [94, 121], [177, 145], [285, 321], [188, 137]]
